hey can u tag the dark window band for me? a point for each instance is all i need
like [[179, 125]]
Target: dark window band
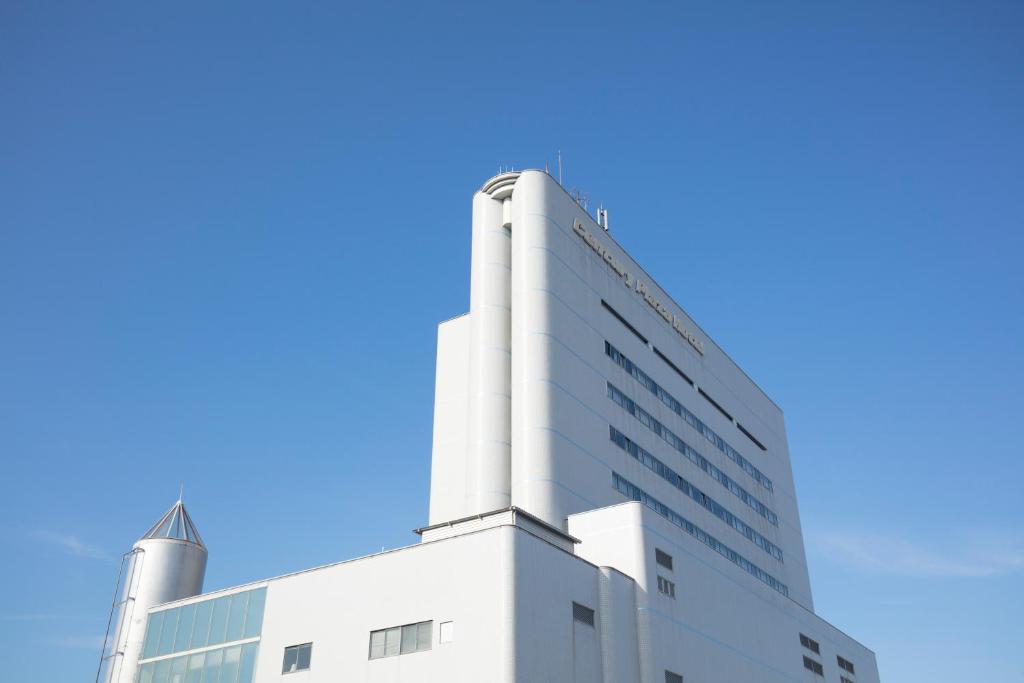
[[623, 321]]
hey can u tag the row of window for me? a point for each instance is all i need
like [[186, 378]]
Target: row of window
[[200, 624], [234, 664], [671, 677], [815, 647], [679, 409], [401, 640], [713, 506], [810, 644], [633, 492], [666, 587], [669, 437], [683, 375], [813, 666]]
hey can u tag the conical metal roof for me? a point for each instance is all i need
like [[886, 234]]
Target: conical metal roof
[[177, 525]]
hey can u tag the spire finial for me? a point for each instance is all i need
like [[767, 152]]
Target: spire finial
[[181, 492]]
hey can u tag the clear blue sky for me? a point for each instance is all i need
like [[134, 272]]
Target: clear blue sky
[[227, 234]]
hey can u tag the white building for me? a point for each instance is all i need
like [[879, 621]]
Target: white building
[[611, 500]]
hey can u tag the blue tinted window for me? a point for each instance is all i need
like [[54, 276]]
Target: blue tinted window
[[254, 613], [194, 674], [219, 620], [149, 649], [247, 664], [167, 633], [236, 617], [185, 622], [201, 630], [229, 667]]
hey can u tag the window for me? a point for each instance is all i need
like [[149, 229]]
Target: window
[[844, 679], [622, 320], [401, 640], [582, 614], [296, 658], [213, 621], [813, 666], [672, 365], [810, 644], [633, 492], [751, 437], [704, 500], [447, 632], [682, 411], [672, 677], [666, 587], [235, 663], [673, 477], [714, 403], [663, 558], [845, 664]]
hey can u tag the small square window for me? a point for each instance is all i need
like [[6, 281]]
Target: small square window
[[297, 658], [663, 558], [447, 634]]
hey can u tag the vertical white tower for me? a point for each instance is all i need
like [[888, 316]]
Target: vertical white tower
[[490, 350], [167, 563]]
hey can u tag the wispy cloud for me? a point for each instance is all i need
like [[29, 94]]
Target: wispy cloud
[[79, 642], [40, 617], [72, 545], [983, 555]]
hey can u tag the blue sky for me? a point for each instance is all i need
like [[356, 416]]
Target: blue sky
[[227, 234]]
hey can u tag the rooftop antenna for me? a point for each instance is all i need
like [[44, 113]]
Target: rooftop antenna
[[559, 167]]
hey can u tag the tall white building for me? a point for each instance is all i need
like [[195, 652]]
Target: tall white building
[[611, 501]]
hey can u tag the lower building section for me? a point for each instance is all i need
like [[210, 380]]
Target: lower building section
[[505, 597]]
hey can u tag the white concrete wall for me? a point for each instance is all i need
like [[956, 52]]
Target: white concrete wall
[[719, 627], [449, 498]]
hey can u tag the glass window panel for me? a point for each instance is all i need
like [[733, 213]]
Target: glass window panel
[[201, 629], [195, 668], [219, 620], [229, 667], [305, 656], [184, 632], [162, 671], [376, 644], [254, 613], [291, 659], [149, 649], [236, 619], [409, 638], [392, 637], [424, 634], [211, 669], [146, 673], [167, 633], [447, 631], [178, 668], [247, 663]]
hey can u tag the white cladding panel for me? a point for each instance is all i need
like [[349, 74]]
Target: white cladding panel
[[449, 460]]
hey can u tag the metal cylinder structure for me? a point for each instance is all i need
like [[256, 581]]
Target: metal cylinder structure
[[167, 563]]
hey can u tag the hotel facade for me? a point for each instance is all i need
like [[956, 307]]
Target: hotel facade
[[611, 500]]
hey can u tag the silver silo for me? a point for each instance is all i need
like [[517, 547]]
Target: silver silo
[[167, 563]]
